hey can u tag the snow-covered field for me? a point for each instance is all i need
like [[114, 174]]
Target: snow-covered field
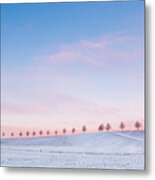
[[108, 150]]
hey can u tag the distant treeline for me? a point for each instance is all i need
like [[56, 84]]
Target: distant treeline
[[101, 128]]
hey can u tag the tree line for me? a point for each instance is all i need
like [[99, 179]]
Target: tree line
[[101, 128]]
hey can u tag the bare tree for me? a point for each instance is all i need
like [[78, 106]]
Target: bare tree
[[101, 127], [84, 129], [34, 133], [73, 130], [108, 127], [40, 132], [48, 132], [64, 130], [12, 134], [122, 126], [20, 134], [56, 132], [3, 134], [27, 133], [137, 125]]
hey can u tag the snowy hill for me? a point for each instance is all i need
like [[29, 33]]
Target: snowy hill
[[111, 145]]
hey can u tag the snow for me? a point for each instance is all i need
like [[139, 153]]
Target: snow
[[108, 150]]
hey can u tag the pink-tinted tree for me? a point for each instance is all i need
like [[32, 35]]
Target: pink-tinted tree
[[40, 132], [73, 130], [84, 129], [122, 126], [12, 134], [56, 132], [34, 133], [108, 126], [101, 127], [27, 133], [64, 130], [20, 134], [137, 125], [48, 132]]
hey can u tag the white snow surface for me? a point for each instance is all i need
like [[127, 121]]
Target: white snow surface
[[108, 150]]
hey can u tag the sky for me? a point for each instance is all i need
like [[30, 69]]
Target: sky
[[72, 64]]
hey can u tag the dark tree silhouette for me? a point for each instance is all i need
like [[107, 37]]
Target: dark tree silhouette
[[40, 132], [20, 134], [48, 132], [64, 130], [137, 125], [3, 134], [108, 127], [101, 127], [122, 126], [34, 133], [27, 133], [84, 129], [55, 132], [12, 134], [73, 130]]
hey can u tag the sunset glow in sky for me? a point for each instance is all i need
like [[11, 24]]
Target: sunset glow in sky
[[72, 64]]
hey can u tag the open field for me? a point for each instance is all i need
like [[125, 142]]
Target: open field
[[108, 150]]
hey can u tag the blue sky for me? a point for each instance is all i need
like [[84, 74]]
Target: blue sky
[[75, 53], [40, 25]]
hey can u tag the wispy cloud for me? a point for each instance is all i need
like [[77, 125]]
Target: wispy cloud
[[30, 108], [61, 105], [75, 109], [99, 52], [59, 110], [63, 56]]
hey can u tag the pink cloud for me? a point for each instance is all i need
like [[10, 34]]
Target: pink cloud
[[59, 110], [104, 42], [58, 103], [100, 52], [24, 109], [68, 56]]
